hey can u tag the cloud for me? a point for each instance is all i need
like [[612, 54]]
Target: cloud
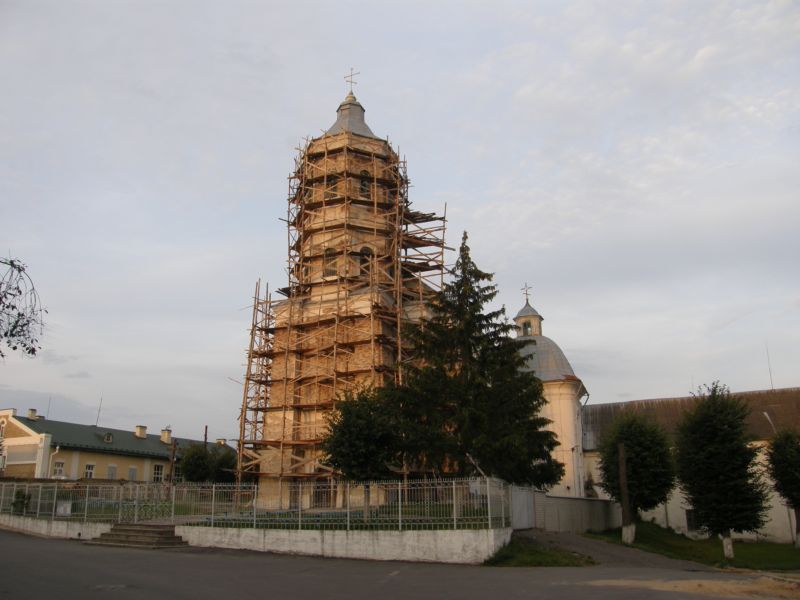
[[78, 375]]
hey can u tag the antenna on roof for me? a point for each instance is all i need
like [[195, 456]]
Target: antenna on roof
[[769, 366], [97, 420], [49, 400]]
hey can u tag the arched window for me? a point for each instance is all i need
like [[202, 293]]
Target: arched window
[[330, 189], [329, 263], [526, 328], [365, 260], [364, 185]]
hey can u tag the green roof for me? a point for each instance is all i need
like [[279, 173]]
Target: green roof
[[91, 437]]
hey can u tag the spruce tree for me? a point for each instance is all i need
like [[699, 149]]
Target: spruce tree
[[650, 470], [783, 459], [717, 466], [469, 387]]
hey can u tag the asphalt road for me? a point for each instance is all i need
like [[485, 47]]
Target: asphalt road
[[39, 568]]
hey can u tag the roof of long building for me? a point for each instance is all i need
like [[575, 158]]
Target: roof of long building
[[91, 437], [781, 405]]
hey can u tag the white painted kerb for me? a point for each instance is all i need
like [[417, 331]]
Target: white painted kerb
[[57, 529], [471, 546]]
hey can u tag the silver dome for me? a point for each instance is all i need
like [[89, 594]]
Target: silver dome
[[543, 356]]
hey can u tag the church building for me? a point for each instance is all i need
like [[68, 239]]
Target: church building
[[562, 390]]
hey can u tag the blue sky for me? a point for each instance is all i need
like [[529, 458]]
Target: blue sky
[[635, 162]]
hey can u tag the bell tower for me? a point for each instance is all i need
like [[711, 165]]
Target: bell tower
[[361, 263]]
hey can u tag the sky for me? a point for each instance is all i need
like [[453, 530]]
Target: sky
[[636, 163]]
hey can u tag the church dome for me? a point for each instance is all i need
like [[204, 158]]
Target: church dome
[[350, 118], [547, 361], [527, 311]]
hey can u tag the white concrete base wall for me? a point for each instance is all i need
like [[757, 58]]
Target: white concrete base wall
[[56, 529], [470, 546]]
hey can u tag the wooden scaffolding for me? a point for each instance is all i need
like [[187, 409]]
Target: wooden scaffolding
[[361, 263]]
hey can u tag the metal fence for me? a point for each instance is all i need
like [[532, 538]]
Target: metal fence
[[327, 504]]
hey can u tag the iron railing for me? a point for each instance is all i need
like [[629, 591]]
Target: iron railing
[[328, 504]]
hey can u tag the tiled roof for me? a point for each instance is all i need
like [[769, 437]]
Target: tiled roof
[[782, 406], [90, 437]]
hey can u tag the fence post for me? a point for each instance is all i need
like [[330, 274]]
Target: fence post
[[347, 492], [455, 526], [136, 504], [400, 506], [55, 501], [2, 495], [488, 503], [86, 503], [255, 493], [503, 507], [172, 493], [39, 501], [299, 504], [213, 501], [119, 504]]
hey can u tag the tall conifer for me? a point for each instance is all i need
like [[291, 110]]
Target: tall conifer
[[717, 466]]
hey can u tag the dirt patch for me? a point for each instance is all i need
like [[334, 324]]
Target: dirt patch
[[763, 587]]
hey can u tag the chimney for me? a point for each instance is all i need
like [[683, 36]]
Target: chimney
[[221, 441], [166, 435], [141, 431], [32, 414]]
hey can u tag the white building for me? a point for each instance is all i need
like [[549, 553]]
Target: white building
[[563, 391]]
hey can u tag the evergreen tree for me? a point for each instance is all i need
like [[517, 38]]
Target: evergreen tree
[[717, 466], [650, 470], [196, 463], [783, 458], [469, 389]]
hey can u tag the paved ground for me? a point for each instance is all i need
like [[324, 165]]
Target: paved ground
[[610, 555], [35, 568]]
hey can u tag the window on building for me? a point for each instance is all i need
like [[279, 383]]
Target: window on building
[[329, 263], [330, 189], [158, 473], [691, 521], [526, 328], [58, 468], [108, 438], [364, 185], [111, 472], [132, 476], [365, 260], [2, 429], [88, 472]]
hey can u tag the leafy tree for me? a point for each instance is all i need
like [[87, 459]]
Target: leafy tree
[[21, 313], [783, 459], [650, 470], [217, 464], [196, 463], [363, 441], [223, 464], [717, 466], [469, 389]]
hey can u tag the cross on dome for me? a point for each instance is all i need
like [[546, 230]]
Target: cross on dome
[[351, 78]]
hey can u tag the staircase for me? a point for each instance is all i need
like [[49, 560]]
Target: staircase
[[142, 535]]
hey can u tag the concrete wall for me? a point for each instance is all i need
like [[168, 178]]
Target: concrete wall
[[58, 529], [470, 546], [534, 509]]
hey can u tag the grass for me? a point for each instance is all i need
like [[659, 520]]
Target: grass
[[748, 555], [520, 552]]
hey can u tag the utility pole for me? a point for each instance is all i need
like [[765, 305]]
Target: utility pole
[[628, 527]]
